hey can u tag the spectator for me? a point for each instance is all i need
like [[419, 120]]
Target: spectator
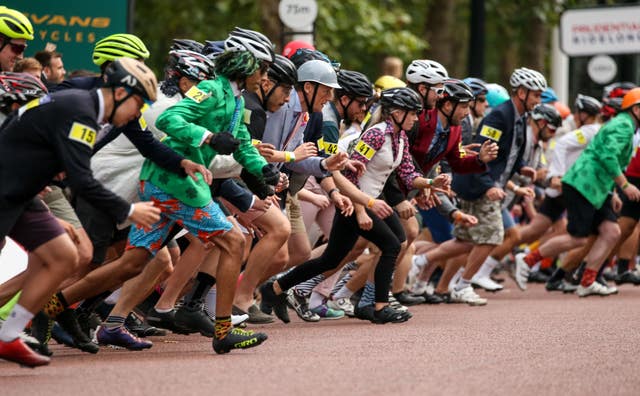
[[53, 71]]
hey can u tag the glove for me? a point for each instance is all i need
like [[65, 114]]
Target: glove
[[255, 185], [271, 174], [224, 143]]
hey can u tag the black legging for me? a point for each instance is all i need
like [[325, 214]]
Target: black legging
[[386, 234]]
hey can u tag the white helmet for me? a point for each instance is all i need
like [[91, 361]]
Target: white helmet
[[248, 40], [318, 71], [427, 72], [529, 79]]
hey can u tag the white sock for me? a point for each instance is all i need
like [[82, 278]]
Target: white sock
[[15, 323], [462, 283], [315, 300], [162, 310], [487, 267], [344, 292], [455, 278], [210, 303], [419, 260], [113, 297]]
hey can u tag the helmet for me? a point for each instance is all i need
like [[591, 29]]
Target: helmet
[[353, 83], [319, 72], [134, 75], [386, 82], [248, 40], [20, 88], [549, 113], [426, 71], [617, 89], [15, 24], [631, 98], [236, 64], [529, 79], [401, 98], [187, 44], [117, 46], [212, 48], [190, 64], [478, 86], [456, 91], [282, 70], [295, 45], [303, 55], [588, 104], [548, 96], [496, 95]]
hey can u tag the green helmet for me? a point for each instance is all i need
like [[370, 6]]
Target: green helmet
[[119, 45], [236, 64]]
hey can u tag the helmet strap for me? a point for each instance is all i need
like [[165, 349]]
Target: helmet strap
[[117, 103], [404, 118], [313, 98], [449, 116], [266, 95], [345, 115]]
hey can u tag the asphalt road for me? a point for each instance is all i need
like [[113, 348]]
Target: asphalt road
[[531, 343]]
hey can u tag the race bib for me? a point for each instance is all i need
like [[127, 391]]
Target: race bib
[[320, 144], [491, 133], [580, 137], [83, 134], [247, 116], [330, 148], [255, 142], [196, 94], [461, 151], [365, 150]]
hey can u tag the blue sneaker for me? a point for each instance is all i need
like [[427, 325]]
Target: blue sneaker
[[120, 336]]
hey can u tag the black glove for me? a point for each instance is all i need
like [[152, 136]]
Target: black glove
[[224, 143], [256, 185], [271, 174]]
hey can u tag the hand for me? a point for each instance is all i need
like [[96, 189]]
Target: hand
[[283, 184], [356, 167], [426, 199], [442, 181], [405, 210], [526, 192], [364, 221], [191, 168], [541, 173], [470, 149], [224, 143], [44, 192], [616, 202], [262, 204], [271, 174], [632, 192], [336, 162], [556, 183], [463, 219], [319, 200], [529, 172], [488, 151], [343, 203], [267, 150], [305, 150], [381, 209], [70, 230], [495, 194], [145, 214]]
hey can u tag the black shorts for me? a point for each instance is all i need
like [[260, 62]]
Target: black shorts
[[553, 208], [35, 226], [630, 208], [583, 218], [100, 227]]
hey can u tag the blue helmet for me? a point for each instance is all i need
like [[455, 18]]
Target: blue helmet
[[478, 86], [548, 96], [496, 95]]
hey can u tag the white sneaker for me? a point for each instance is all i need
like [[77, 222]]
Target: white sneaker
[[343, 304], [610, 289], [454, 280], [521, 273], [468, 296], [419, 288], [486, 283], [593, 289], [393, 303]]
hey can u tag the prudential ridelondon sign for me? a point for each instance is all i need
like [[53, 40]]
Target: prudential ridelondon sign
[[605, 30]]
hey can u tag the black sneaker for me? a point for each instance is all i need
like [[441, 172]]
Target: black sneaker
[[628, 277], [195, 321], [238, 339], [41, 327], [166, 320], [141, 329], [389, 315], [538, 277], [364, 313], [88, 321], [554, 285], [69, 323], [278, 302], [445, 297], [434, 298], [408, 300]]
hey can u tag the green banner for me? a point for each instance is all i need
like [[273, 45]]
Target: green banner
[[74, 26]]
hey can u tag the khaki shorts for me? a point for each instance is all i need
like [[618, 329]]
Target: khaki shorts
[[294, 213], [489, 230], [60, 206]]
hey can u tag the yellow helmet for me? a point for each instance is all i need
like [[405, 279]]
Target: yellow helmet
[[15, 24], [119, 45], [386, 82]]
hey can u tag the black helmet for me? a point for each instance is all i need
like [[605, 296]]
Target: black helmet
[[187, 44], [588, 104], [133, 75], [19, 88], [303, 55], [282, 70], [548, 113], [354, 84], [456, 91], [478, 86], [401, 98], [190, 64]]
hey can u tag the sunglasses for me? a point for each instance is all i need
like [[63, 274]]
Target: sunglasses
[[439, 91], [17, 48]]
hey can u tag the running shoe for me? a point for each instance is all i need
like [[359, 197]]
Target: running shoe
[[595, 289], [299, 304], [521, 272], [277, 302], [120, 337], [195, 321], [343, 304], [69, 322], [467, 296], [390, 315], [17, 351], [238, 339], [324, 312]]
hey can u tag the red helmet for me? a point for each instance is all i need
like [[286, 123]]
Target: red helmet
[[293, 46], [612, 98]]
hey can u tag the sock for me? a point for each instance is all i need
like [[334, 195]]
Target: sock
[[195, 299], [6, 309], [546, 262], [623, 266], [112, 298], [342, 282], [419, 260], [588, 277], [532, 258], [368, 295], [344, 292], [558, 275], [462, 283], [304, 289], [90, 304], [222, 327], [316, 300], [113, 322], [15, 323], [210, 303], [162, 310], [56, 305]]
